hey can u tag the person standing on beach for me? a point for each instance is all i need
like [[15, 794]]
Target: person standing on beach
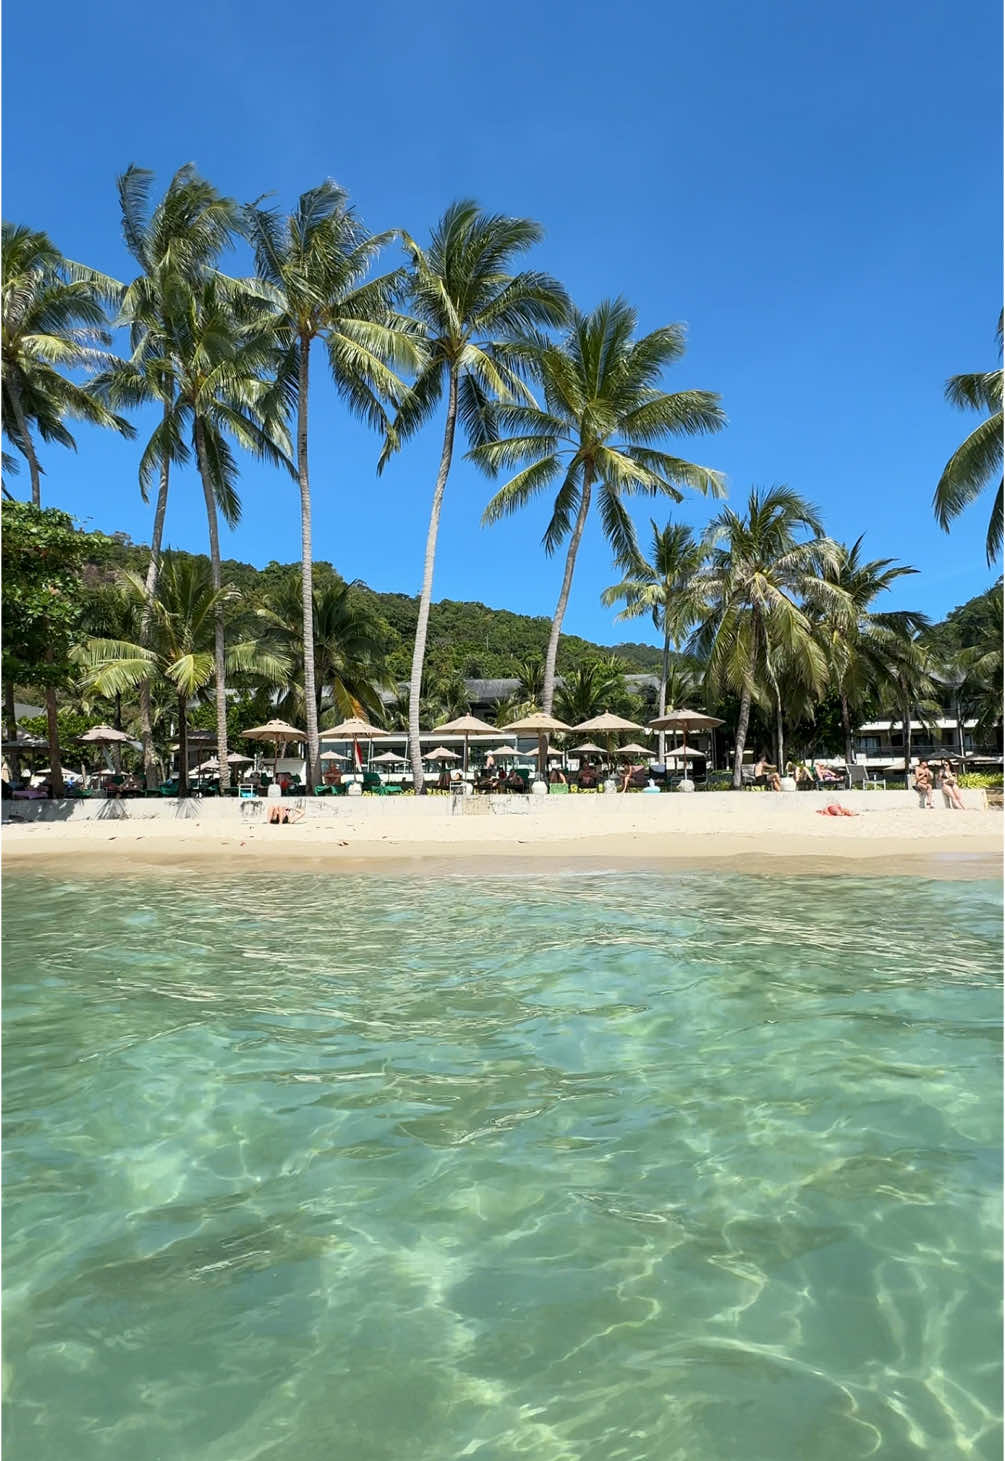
[[923, 784]]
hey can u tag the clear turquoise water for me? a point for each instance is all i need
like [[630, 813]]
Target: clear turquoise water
[[623, 1167]]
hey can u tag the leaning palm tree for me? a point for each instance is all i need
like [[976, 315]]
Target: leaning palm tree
[[317, 261], [182, 650], [978, 461], [666, 587], [603, 410], [176, 244], [863, 647], [53, 321], [223, 351], [761, 565], [471, 310]]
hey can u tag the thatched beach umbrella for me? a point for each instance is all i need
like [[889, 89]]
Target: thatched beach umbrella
[[107, 735], [354, 729], [541, 725], [333, 756], [633, 749], [440, 754], [276, 731], [685, 720], [464, 725]]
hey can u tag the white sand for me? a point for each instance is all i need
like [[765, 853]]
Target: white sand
[[756, 833]]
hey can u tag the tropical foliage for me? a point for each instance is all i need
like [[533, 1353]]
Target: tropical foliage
[[976, 463], [604, 412]]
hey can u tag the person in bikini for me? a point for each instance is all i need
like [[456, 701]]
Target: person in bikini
[[282, 816], [950, 788]]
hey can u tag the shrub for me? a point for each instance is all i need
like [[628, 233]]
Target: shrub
[[981, 780]]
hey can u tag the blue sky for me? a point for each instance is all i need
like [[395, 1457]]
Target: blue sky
[[815, 190]]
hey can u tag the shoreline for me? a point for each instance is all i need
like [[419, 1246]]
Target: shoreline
[[875, 845]]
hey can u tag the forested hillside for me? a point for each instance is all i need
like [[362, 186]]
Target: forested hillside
[[464, 638]]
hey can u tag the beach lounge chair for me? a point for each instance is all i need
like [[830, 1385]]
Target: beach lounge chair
[[558, 788], [860, 780]]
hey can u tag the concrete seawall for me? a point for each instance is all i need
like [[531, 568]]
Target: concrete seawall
[[702, 810]]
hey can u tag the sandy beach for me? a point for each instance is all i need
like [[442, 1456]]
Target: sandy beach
[[753, 834]]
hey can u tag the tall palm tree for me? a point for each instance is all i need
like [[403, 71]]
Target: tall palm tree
[[347, 653], [223, 354], [317, 261], [182, 649], [761, 565], [976, 463], [862, 647], [471, 310], [176, 245], [53, 321], [666, 587], [603, 409]]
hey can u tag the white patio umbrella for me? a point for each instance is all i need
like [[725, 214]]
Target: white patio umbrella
[[276, 731], [388, 758], [685, 720], [107, 735], [464, 725], [608, 723], [538, 724], [333, 756], [633, 749], [354, 729], [440, 754]]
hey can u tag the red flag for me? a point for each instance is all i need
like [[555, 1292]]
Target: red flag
[[357, 758]]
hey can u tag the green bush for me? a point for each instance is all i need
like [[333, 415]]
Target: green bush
[[981, 780]]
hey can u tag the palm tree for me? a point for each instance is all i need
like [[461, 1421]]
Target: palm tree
[[978, 461], [182, 649], [223, 350], [591, 688], [666, 587], [347, 653], [176, 245], [603, 408], [53, 321], [910, 687], [317, 261], [759, 569], [863, 648], [471, 310]]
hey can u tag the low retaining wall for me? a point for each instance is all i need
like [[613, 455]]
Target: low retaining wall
[[701, 806]]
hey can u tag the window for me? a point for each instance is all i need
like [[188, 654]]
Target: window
[[896, 738], [868, 743]]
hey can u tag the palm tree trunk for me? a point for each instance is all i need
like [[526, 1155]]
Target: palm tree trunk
[[548, 689], [149, 594], [743, 721], [849, 749], [664, 678], [14, 390], [779, 735], [307, 571], [52, 724], [907, 739], [10, 719], [422, 624], [219, 647], [182, 746]]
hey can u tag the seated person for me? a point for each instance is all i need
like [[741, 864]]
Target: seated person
[[587, 778], [950, 788], [333, 777], [487, 781], [557, 776], [774, 782], [515, 781]]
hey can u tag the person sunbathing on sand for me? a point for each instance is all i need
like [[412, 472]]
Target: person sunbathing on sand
[[284, 815], [836, 810]]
